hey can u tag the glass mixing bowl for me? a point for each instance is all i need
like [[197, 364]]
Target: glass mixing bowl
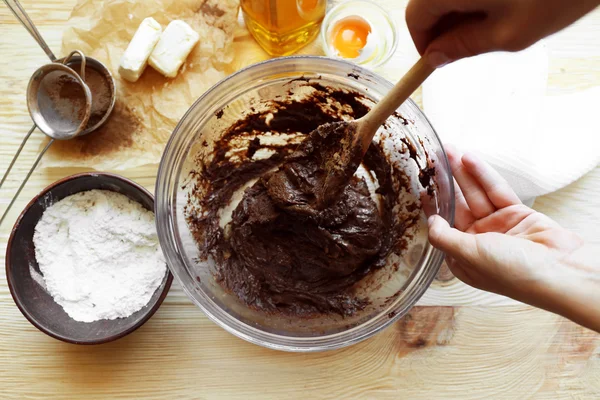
[[393, 290]]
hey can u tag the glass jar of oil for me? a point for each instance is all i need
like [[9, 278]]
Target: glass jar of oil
[[282, 27]]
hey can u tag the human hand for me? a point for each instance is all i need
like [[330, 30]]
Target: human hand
[[448, 30], [502, 246]]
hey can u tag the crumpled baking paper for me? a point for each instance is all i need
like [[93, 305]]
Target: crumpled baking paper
[[148, 110]]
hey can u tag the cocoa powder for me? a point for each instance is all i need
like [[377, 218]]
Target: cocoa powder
[[68, 96], [101, 90]]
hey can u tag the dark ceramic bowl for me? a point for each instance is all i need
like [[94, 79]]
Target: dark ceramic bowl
[[33, 301]]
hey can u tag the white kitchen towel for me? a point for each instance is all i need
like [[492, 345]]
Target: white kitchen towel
[[496, 105]]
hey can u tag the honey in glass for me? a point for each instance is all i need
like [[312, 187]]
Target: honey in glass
[[282, 27]]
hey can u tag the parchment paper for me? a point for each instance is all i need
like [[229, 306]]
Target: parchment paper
[[148, 110]]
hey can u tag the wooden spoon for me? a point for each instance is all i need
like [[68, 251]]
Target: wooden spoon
[[342, 161], [367, 126]]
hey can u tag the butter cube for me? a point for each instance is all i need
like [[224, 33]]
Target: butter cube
[[138, 51], [175, 44]]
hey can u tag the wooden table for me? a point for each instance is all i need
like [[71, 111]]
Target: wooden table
[[459, 343]]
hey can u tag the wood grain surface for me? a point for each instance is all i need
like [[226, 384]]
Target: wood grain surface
[[459, 343]]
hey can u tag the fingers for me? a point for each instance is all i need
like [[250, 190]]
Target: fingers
[[496, 187], [463, 216], [423, 15], [451, 151], [502, 221], [474, 195], [451, 241], [428, 19], [540, 223], [476, 35]]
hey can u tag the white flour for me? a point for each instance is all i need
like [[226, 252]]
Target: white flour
[[99, 254]]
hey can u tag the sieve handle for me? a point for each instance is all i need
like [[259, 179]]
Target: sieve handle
[[17, 154], [22, 16], [80, 53], [37, 161]]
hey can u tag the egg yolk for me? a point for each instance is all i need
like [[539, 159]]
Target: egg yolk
[[349, 36]]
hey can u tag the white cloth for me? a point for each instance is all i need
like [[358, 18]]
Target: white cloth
[[496, 105]]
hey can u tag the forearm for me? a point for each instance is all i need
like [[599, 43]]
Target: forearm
[[573, 286]]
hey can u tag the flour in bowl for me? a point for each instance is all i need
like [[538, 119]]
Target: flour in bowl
[[99, 254]]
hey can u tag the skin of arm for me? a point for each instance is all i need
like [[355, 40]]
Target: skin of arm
[[499, 244], [448, 30], [502, 246]]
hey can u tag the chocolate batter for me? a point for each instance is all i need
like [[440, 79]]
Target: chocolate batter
[[315, 176], [292, 247]]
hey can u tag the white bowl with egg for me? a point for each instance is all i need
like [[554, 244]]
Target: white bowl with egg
[[359, 21]]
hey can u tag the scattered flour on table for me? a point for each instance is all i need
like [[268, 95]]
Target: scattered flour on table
[[99, 255]]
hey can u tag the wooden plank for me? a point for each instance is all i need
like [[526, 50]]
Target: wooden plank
[[435, 352]]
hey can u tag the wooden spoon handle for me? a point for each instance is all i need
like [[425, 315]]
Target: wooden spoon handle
[[368, 125]]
